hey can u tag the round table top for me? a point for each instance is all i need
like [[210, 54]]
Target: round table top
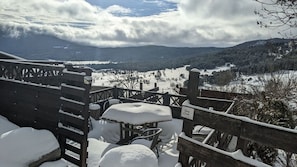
[[137, 113]]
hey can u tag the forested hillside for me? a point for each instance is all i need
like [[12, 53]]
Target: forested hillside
[[250, 57]]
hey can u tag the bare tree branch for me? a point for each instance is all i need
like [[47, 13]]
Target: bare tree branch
[[280, 14]]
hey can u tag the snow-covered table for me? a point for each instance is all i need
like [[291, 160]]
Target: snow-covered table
[[134, 115]]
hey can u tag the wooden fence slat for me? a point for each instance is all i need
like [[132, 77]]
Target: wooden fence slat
[[72, 90], [269, 135], [218, 121], [73, 120], [211, 155], [71, 134], [73, 149], [73, 76], [75, 107], [71, 159]]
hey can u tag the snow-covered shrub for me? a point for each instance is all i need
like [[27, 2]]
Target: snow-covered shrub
[[274, 104]]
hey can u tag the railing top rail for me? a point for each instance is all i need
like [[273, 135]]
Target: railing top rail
[[44, 62], [101, 90], [6, 61], [215, 99], [152, 92], [245, 128], [4, 55]]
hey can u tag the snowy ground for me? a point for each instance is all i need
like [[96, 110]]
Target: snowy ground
[[245, 83], [168, 80]]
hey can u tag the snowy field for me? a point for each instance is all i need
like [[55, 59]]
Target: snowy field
[[168, 80], [245, 83]]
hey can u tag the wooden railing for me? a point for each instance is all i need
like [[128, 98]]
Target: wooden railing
[[30, 104], [195, 154], [39, 73], [4, 55], [52, 97], [241, 127], [129, 95], [101, 95]]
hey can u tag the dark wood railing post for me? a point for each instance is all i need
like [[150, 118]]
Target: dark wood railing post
[[188, 125], [193, 91], [141, 86], [166, 99], [115, 93]]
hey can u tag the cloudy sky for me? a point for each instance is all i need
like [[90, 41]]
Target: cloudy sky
[[112, 23]]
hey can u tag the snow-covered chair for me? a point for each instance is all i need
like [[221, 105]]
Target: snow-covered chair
[[149, 138], [110, 102], [96, 150], [95, 110], [133, 155]]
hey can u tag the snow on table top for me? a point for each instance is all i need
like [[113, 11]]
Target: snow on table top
[[137, 113]]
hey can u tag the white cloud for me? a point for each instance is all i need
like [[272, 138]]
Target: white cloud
[[194, 23], [118, 9], [157, 2]]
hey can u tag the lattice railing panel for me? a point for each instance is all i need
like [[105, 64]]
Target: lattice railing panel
[[31, 72], [101, 95]]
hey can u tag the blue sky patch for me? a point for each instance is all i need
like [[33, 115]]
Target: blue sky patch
[[138, 7]]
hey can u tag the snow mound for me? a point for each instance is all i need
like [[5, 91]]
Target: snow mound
[[6, 125], [134, 155], [20, 147]]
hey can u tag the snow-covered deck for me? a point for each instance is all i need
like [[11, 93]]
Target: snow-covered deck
[[28, 144]]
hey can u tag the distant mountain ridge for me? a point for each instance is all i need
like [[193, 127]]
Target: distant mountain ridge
[[251, 54], [43, 47]]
